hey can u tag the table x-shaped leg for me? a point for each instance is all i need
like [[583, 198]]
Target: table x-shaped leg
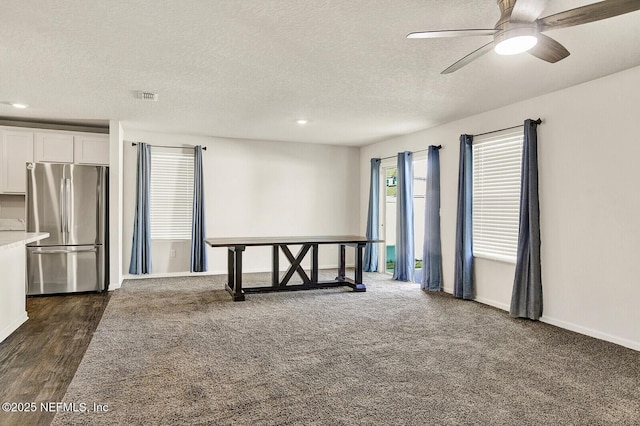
[[295, 264]]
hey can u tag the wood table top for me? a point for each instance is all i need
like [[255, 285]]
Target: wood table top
[[267, 241]]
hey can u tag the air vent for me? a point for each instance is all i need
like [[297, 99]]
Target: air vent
[[148, 96]]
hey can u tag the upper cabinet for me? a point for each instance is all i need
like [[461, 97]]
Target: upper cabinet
[[91, 149], [19, 146], [16, 151], [54, 148]]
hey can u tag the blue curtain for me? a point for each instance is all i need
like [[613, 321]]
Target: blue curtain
[[405, 260], [432, 250], [141, 246], [373, 218], [198, 227], [526, 299], [463, 274]]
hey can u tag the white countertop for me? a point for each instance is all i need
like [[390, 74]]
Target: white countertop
[[9, 239]]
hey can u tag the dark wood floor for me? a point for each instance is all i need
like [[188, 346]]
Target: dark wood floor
[[38, 361]]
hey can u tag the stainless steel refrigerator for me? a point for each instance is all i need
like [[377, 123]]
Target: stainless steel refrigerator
[[70, 202]]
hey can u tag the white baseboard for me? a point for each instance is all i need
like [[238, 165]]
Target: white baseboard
[[6, 332], [592, 333], [493, 303], [570, 326], [482, 300], [169, 275]]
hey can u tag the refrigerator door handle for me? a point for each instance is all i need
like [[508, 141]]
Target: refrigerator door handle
[[62, 206], [72, 251], [67, 199]]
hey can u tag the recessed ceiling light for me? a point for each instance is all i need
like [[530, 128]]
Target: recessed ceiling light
[[302, 121], [18, 105]]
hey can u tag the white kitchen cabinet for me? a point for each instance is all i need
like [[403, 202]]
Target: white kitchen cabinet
[[91, 149], [19, 146], [16, 151], [54, 147]]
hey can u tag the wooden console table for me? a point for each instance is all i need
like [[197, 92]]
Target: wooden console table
[[236, 247]]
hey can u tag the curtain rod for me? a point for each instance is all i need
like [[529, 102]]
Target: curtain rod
[[538, 121], [413, 152], [165, 146]]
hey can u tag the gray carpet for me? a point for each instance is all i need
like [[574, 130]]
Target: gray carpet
[[179, 351]]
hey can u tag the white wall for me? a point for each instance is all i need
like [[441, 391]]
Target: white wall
[[258, 188], [115, 204], [589, 199]]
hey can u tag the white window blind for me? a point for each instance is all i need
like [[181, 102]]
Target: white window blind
[[171, 197], [497, 159]]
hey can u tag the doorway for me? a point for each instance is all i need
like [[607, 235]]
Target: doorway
[[390, 173]]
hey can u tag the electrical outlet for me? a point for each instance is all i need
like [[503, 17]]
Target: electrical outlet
[[172, 253]]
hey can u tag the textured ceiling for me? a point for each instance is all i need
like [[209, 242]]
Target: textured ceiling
[[250, 68]]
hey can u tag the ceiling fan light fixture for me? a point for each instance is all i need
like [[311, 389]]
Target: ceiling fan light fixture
[[515, 45], [515, 39], [521, 28]]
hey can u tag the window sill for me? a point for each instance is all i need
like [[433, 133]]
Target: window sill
[[496, 258]]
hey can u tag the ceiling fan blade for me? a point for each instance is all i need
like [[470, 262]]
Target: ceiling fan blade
[[469, 58], [528, 10], [589, 13], [452, 33], [548, 49]]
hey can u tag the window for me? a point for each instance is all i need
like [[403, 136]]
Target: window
[[171, 197], [497, 161]]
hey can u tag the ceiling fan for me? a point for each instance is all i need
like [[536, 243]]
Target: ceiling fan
[[520, 28]]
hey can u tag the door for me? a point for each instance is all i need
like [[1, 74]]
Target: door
[[68, 202], [45, 202], [65, 269], [86, 202], [390, 205], [17, 150], [389, 222], [54, 147], [91, 149]]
